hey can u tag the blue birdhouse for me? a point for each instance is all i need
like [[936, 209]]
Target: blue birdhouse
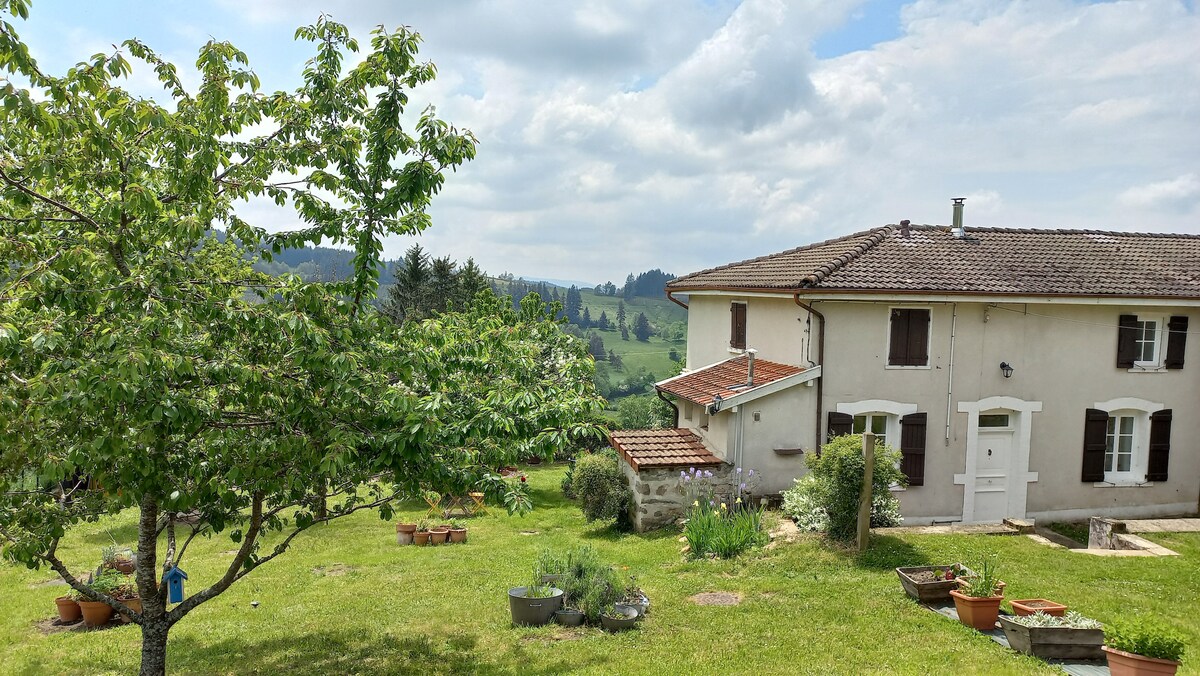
[[175, 578]]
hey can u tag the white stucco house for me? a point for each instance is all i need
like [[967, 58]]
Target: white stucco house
[[1021, 373]]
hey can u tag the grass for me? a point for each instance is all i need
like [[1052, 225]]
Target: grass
[[1076, 530], [346, 599]]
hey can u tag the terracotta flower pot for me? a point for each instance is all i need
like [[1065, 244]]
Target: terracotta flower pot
[[134, 605], [977, 612], [438, 536], [125, 566], [1031, 606], [1121, 663], [68, 609], [458, 535], [421, 538], [95, 613], [404, 533]]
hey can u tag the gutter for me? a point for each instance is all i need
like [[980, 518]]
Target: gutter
[[669, 403], [675, 300], [820, 362]]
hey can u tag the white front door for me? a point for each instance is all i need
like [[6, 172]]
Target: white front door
[[992, 465]]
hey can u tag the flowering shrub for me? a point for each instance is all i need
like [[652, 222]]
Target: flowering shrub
[[826, 499]]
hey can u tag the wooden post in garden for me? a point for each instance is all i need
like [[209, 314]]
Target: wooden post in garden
[[864, 500]]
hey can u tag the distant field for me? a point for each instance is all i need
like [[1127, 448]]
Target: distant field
[[653, 355]]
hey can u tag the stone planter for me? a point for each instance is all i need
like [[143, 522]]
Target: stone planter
[[404, 533], [533, 612], [924, 590], [1121, 663], [1063, 643]]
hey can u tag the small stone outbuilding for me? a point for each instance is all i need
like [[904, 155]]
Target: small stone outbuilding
[[652, 461]]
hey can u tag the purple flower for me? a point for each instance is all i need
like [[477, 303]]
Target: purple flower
[[682, 475], [692, 470], [742, 486], [751, 472], [739, 470], [687, 479], [712, 503], [707, 474]]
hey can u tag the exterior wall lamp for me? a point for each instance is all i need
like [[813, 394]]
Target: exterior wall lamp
[[1006, 369]]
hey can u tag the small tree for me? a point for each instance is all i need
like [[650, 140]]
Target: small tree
[[602, 323], [639, 412], [827, 497], [596, 346], [602, 490], [641, 327], [141, 352]]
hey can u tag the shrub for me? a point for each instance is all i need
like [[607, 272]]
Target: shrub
[[719, 532], [827, 497], [601, 488], [1146, 637]]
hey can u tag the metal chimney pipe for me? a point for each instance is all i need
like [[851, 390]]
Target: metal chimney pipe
[[957, 224]]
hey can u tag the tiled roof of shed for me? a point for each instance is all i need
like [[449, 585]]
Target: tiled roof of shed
[[988, 261], [702, 385], [644, 449]]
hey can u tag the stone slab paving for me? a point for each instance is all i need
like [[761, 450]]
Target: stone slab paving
[[949, 529], [1072, 667], [1163, 526]]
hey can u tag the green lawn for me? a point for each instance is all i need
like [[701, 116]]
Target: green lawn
[[346, 599]]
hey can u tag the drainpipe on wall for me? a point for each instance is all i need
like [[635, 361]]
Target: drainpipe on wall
[[950, 376], [820, 362], [669, 403]]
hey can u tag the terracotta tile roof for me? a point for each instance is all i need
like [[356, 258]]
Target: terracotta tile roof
[[989, 261], [644, 449], [702, 385]]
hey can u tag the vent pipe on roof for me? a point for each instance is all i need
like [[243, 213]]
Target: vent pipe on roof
[[957, 228], [905, 230], [750, 366]]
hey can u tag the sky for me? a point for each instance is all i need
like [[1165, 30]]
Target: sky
[[618, 136]]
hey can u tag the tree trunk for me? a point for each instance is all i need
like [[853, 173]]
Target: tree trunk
[[154, 647]]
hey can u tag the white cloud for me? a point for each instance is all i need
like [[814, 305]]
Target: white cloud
[[1181, 190]]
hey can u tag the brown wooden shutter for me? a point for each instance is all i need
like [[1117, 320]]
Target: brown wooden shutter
[[918, 337], [912, 447], [1095, 440], [898, 342], [1127, 341], [1160, 445], [1176, 342], [737, 326], [839, 424]]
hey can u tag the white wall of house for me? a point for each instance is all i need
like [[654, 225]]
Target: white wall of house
[[1064, 358]]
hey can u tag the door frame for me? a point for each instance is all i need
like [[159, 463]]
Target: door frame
[[1019, 476]]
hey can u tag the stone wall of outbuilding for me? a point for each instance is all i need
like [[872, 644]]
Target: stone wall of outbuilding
[[657, 500]]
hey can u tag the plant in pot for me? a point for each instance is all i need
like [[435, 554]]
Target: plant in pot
[[116, 558], [97, 613], [421, 534], [553, 566], [978, 598], [569, 615], [127, 593], [534, 604], [619, 617], [404, 533], [635, 598], [931, 584], [1031, 606], [1071, 636], [598, 592], [458, 531], [438, 535], [1143, 647]]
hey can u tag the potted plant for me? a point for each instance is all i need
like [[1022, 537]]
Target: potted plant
[[1071, 636], [438, 535], [552, 566], [68, 609], [458, 531], [421, 534], [1143, 647], [635, 598], [97, 613], [931, 584], [619, 618], [979, 597], [127, 593], [404, 533], [534, 604], [118, 559], [1031, 606]]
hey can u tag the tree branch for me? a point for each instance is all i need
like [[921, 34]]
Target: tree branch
[[231, 573], [58, 566]]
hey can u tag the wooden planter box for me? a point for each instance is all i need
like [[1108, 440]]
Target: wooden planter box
[[928, 592], [1054, 642]]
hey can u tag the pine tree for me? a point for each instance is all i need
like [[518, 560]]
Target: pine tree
[[586, 320], [621, 313], [602, 322], [641, 327], [407, 297], [443, 284], [630, 287], [615, 360], [624, 332], [596, 346], [573, 304], [471, 282]]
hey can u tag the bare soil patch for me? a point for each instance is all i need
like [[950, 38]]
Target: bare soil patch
[[716, 599], [333, 570], [54, 626]]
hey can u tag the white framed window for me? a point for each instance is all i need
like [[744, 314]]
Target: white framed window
[[1127, 440], [875, 422], [1148, 341]]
